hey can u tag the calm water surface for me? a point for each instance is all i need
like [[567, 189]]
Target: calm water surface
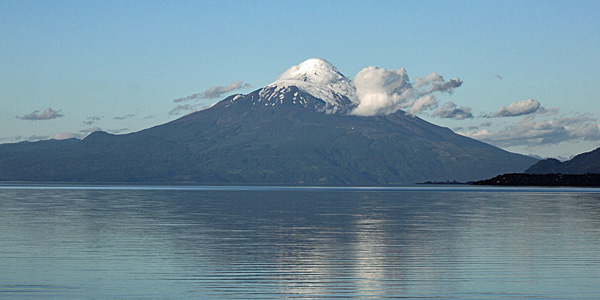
[[60, 242]]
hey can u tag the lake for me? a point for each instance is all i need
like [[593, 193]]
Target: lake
[[181, 242]]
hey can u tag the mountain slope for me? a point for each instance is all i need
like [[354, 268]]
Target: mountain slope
[[241, 140], [280, 134]]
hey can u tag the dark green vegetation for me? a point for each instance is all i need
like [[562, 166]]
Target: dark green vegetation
[[446, 182], [249, 140], [519, 179]]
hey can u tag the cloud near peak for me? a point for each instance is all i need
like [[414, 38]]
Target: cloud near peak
[[211, 93], [382, 91], [215, 91]]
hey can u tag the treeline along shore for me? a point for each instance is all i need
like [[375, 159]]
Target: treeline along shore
[[521, 179]]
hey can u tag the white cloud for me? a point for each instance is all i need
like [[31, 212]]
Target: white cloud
[[451, 111], [381, 91], [532, 133], [519, 108], [423, 103], [188, 109], [47, 114]]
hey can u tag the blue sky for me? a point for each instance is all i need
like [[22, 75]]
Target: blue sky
[[118, 66]]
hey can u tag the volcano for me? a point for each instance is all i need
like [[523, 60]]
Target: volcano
[[298, 130]]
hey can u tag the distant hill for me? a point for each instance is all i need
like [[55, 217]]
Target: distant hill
[[297, 130], [543, 166], [588, 162], [582, 170]]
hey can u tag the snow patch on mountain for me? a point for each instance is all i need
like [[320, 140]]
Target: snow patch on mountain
[[274, 94], [320, 79]]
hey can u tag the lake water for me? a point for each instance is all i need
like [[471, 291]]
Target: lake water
[[151, 242]]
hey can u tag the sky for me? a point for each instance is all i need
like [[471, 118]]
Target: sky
[[529, 70]]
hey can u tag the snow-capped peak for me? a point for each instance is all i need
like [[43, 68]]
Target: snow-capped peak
[[314, 70], [320, 79]]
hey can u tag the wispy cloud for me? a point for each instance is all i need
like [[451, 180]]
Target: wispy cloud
[[216, 91], [533, 133], [125, 117], [188, 109], [91, 120], [519, 108], [451, 111], [189, 98], [47, 114]]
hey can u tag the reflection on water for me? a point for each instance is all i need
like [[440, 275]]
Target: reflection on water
[[281, 244]]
